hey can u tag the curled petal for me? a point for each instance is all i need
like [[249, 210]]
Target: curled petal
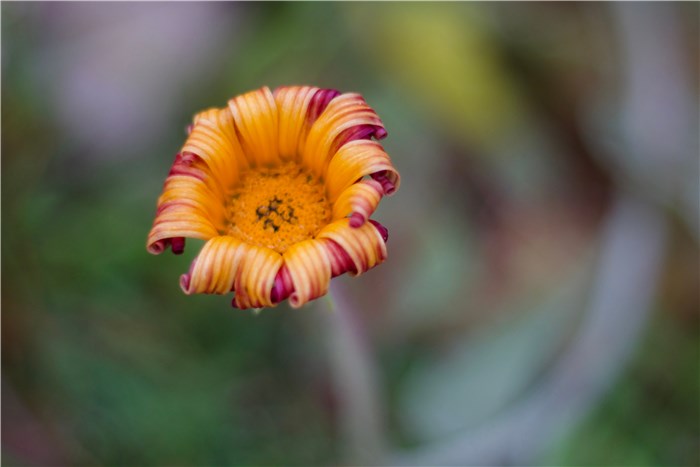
[[383, 231], [318, 104], [213, 138], [185, 208], [364, 245], [189, 168], [388, 180], [178, 245], [338, 259], [253, 285], [346, 118], [283, 285], [215, 269], [341, 262], [293, 105], [356, 160], [226, 263], [208, 114], [190, 197], [364, 131], [310, 270], [169, 227], [358, 201], [256, 120]]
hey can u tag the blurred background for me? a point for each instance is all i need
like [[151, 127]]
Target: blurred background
[[540, 303]]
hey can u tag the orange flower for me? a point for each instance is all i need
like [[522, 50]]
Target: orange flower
[[281, 185]]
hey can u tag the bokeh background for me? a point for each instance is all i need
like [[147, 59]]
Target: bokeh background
[[540, 301]]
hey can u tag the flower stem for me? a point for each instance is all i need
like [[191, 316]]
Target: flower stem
[[355, 382]]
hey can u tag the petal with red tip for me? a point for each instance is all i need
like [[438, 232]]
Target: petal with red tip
[[185, 208], [358, 201], [310, 270], [347, 118], [364, 245], [226, 264], [253, 284], [356, 160], [213, 138]]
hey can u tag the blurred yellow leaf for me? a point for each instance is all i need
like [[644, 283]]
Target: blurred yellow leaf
[[443, 54]]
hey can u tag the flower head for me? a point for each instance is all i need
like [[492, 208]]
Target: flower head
[[281, 185]]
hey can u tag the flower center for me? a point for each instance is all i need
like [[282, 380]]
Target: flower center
[[277, 207]]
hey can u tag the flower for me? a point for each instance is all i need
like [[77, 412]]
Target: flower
[[281, 185]]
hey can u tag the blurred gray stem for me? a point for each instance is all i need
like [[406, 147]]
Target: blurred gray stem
[[355, 381]]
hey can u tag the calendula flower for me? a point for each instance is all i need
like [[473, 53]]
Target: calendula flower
[[281, 185]]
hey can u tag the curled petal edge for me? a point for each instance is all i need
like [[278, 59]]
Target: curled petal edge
[[369, 251], [358, 201], [357, 160], [309, 268], [347, 118], [227, 264]]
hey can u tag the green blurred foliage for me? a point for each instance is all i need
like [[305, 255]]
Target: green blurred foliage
[[649, 419]]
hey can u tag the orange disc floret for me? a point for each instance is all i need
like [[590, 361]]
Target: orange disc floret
[[281, 185]]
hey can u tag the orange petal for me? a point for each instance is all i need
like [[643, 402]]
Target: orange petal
[[358, 201], [292, 105], [256, 117], [310, 269], [254, 283], [226, 263], [358, 159], [347, 117], [364, 245], [215, 267], [167, 228], [213, 138], [190, 205]]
